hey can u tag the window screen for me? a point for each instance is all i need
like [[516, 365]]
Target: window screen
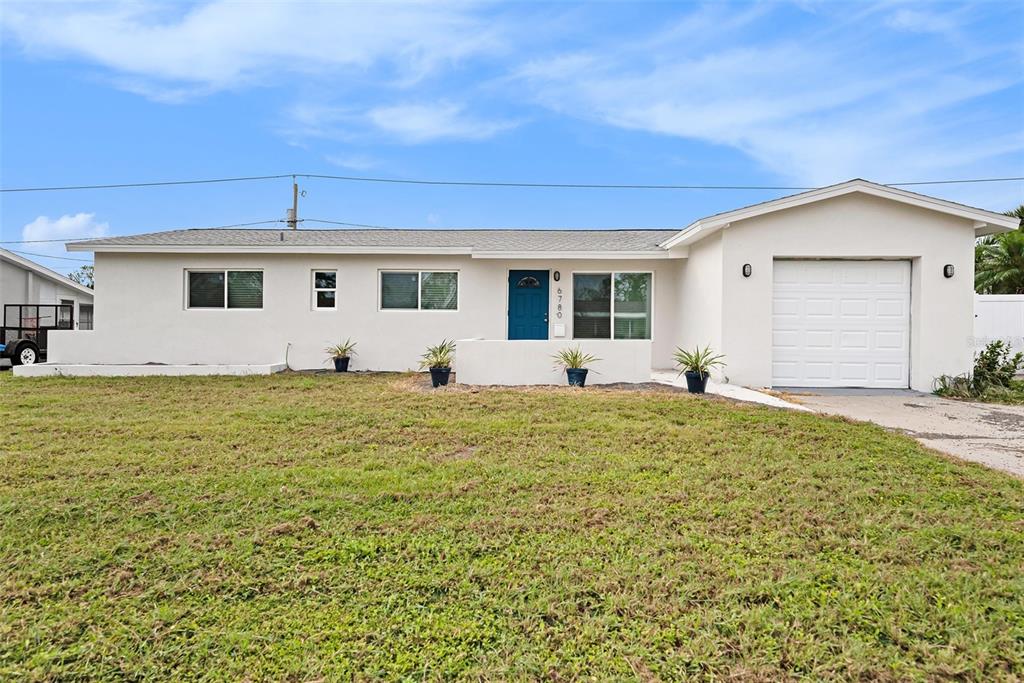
[[399, 290], [632, 305], [591, 305], [245, 289], [439, 291], [206, 290]]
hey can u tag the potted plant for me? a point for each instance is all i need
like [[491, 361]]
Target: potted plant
[[696, 365], [341, 354], [575, 363], [438, 359]]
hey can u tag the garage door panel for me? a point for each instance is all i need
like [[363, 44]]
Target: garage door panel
[[890, 340], [854, 372], [818, 370], [785, 307], [854, 308], [841, 323], [854, 340], [786, 339], [819, 339], [819, 308], [889, 307]]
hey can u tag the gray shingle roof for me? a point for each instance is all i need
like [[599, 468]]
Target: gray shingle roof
[[478, 240]]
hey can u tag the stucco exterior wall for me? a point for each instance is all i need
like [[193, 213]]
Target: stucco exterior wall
[[530, 362], [140, 306], [699, 288], [852, 226]]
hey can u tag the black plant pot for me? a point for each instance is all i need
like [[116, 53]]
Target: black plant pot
[[439, 377], [577, 376], [696, 382], [341, 364]]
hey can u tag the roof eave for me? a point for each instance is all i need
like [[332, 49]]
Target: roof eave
[[43, 271], [369, 250], [574, 255], [985, 222]]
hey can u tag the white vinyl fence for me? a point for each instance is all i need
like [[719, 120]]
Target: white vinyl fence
[[999, 316]]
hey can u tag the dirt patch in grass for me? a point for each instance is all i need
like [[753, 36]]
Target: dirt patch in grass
[[259, 528]]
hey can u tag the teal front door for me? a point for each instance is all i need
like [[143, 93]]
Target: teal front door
[[528, 304]]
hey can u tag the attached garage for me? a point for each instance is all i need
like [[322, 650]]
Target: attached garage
[[841, 323], [851, 285]]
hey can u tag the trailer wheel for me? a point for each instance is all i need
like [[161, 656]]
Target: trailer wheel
[[26, 353]]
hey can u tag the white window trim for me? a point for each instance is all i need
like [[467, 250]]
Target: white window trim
[[315, 289], [419, 284], [613, 273], [225, 271]]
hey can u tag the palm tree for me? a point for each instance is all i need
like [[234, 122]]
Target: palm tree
[[999, 261]]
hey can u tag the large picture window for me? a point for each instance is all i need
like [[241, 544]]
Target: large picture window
[[225, 289], [419, 290], [611, 305]]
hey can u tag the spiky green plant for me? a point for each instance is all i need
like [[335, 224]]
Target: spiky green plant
[[573, 359], [699, 360], [440, 356], [345, 349]]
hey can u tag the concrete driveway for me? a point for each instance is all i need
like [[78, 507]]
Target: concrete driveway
[[986, 433]]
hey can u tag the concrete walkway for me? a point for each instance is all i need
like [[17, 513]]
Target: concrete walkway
[[732, 391], [985, 433]]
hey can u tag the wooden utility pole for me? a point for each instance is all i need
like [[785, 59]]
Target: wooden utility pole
[[293, 218]]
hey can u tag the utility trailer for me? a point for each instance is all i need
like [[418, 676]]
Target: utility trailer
[[26, 327]]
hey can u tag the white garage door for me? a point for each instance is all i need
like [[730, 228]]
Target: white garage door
[[841, 324]]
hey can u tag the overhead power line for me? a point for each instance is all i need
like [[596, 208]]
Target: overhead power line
[[161, 183], [62, 258], [94, 237], [484, 183], [603, 186]]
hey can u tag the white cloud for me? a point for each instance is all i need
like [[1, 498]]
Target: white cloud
[[918, 21], [416, 123], [812, 108], [412, 123], [357, 162], [68, 227], [162, 52]]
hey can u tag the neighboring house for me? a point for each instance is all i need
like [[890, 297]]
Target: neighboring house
[[855, 284], [26, 282]]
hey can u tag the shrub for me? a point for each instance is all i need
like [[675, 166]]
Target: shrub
[[993, 373]]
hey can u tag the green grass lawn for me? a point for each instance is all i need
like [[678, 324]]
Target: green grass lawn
[[298, 527]]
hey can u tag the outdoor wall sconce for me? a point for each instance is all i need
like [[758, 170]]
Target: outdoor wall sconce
[[947, 270], [746, 270]]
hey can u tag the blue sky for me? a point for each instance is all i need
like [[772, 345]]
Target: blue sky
[[806, 93]]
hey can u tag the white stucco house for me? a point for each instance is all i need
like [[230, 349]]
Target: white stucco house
[[26, 282], [855, 284]]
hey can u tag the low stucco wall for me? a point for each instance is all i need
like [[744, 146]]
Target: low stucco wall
[[65, 370], [480, 361]]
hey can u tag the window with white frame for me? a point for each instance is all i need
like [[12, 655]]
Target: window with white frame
[[423, 290], [325, 289], [611, 305], [224, 288]]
